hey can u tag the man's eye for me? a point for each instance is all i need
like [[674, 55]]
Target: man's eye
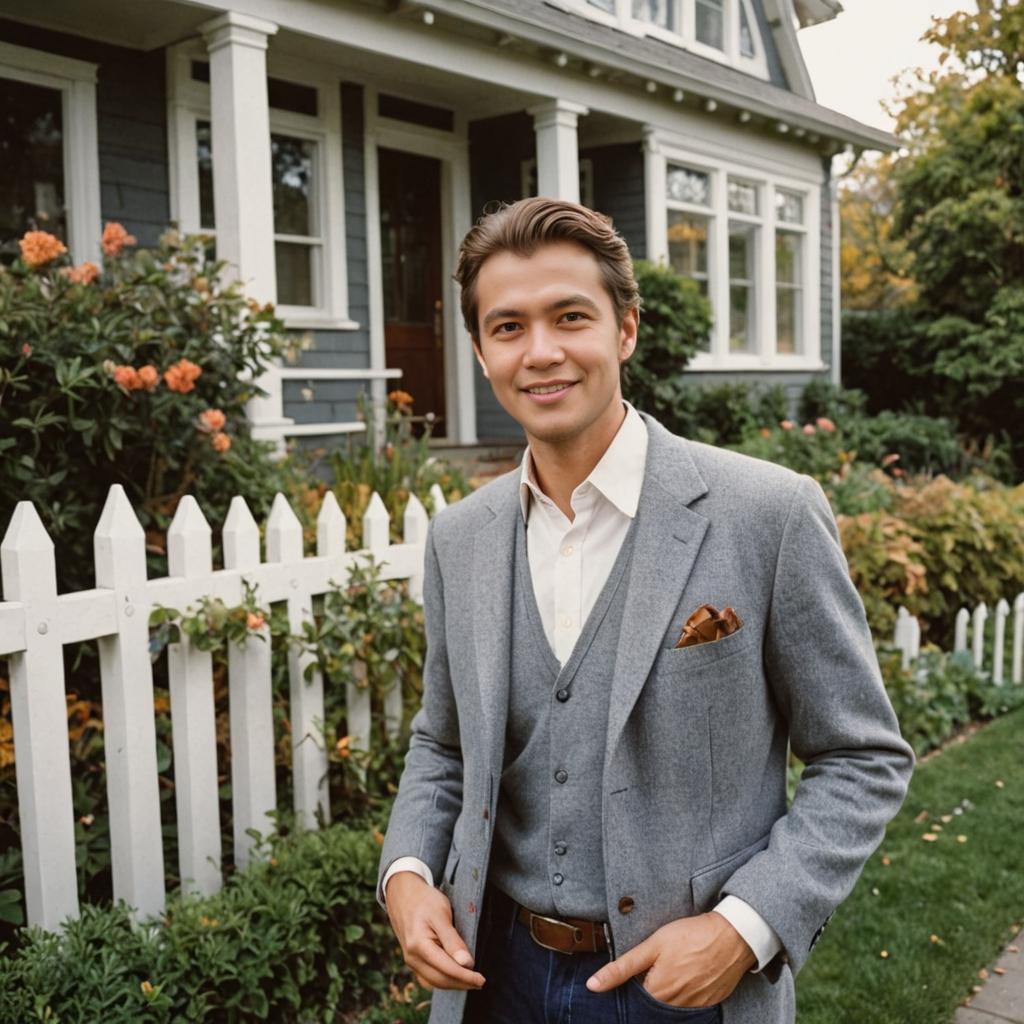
[[506, 328], [574, 318]]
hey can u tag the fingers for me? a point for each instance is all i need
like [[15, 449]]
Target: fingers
[[429, 959], [632, 962], [451, 942]]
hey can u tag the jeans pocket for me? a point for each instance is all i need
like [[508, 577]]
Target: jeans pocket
[[645, 1009]]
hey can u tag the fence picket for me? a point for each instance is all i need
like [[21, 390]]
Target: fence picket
[[999, 645], [978, 620], [1017, 672], [437, 498], [963, 617], [129, 728], [193, 717], [250, 699], [306, 698], [907, 636], [376, 525], [330, 527], [39, 718]]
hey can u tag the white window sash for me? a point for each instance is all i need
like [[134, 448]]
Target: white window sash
[[189, 101], [76, 82]]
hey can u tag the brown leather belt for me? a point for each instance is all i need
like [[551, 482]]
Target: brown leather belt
[[570, 935]]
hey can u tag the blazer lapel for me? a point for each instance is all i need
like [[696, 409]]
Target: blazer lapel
[[668, 538], [493, 554]]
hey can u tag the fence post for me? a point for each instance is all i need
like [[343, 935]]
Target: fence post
[[999, 645], [907, 636], [978, 633], [40, 720], [250, 700], [193, 717], [437, 498], [306, 699], [1017, 671], [963, 617], [129, 729]]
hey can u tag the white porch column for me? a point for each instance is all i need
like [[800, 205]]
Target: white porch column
[[242, 181], [558, 158]]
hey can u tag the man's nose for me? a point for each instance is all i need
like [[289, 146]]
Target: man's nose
[[543, 348]]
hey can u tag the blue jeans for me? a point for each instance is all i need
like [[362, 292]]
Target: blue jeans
[[527, 984]]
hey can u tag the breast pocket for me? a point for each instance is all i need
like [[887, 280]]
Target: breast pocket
[[712, 653]]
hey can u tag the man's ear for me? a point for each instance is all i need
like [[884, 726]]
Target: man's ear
[[628, 333], [480, 357]]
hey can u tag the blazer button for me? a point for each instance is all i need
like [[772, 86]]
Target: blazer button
[[562, 695], [471, 908], [626, 904], [561, 775], [487, 814]]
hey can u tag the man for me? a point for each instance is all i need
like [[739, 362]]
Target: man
[[605, 812]]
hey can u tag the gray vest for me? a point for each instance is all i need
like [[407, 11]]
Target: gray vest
[[547, 837]]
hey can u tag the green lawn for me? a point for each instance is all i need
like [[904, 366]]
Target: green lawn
[[968, 894]]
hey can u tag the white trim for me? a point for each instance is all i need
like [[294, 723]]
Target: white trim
[[330, 373], [76, 82], [662, 150], [189, 101], [452, 150], [316, 429], [837, 299]]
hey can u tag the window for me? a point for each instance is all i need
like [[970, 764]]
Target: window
[[789, 244], [305, 156], [747, 47], [710, 17], [656, 12], [603, 5], [48, 151], [747, 237]]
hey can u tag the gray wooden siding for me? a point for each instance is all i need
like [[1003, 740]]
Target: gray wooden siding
[[131, 110], [827, 228], [619, 191]]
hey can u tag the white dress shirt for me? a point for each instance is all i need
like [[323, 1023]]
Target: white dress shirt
[[569, 564]]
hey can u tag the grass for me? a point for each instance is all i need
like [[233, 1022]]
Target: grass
[[970, 895]]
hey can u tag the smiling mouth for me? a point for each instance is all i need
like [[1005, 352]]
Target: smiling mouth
[[549, 389]]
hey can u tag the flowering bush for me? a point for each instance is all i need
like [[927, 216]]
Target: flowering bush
[[137, 374]]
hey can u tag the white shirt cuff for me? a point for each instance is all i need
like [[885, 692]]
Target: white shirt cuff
[[755, 931], [413, 864]]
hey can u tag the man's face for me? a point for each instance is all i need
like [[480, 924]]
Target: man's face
[[550, 343]]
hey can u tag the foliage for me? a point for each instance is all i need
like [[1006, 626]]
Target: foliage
[[875, 268], [675, 321], [137, 375], [392, 462], [297, 936]]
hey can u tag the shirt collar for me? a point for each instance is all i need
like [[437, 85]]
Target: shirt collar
[[618, 476]]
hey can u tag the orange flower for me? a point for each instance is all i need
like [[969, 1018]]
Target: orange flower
[[342, 747], [221, 442], [181, 377], [765, 432], [212, 419], [254, 620], [400, 398], [786, 424], [824, 423], [147, 988], [115, 238], [809, 429], [40, 247], [26, 350], [149, 377], [84, 273], [127, 378]]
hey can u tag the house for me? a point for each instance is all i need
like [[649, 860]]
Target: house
[[339, 149]]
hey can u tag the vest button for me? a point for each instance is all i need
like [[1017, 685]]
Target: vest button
[[558, 878], [561, 848], [562, 695], [561, 775], [626, 904]]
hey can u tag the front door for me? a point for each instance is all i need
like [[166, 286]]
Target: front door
[[410, 234]]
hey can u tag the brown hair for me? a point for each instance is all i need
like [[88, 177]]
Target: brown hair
[[525, 226]]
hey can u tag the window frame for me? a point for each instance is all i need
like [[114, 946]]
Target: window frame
[[75, 80], [660, 153], [685, 36], [189, 102]]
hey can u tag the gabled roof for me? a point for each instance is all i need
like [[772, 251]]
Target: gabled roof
[[547, 27]]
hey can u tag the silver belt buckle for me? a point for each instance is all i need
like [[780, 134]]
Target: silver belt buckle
[[577, 933]]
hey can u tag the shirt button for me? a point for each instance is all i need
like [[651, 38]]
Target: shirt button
[[562, 695], [567, 550], [558, 878], [560, 849], [626, 904], [561, 775], [567, 622]]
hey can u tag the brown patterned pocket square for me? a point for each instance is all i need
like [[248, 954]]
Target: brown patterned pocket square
[[707, 623]]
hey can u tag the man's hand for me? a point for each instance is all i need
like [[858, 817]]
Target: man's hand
[[693, 962], [421, 917]]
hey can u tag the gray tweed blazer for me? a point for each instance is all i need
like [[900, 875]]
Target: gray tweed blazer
[[694, 779]]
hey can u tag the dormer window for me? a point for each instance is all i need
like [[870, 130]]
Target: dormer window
[[747, 48], [711, 23], [656, 12]]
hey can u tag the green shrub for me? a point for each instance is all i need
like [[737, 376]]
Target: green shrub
[[674, 322], [297, 937]]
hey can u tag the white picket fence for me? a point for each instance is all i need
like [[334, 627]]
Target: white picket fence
[[36, 622], [907, 637]]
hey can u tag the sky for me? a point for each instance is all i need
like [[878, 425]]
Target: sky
[[852, 58]]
